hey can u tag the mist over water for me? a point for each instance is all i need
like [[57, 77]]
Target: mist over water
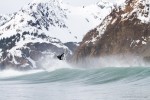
[[106, 78], [114, 61]]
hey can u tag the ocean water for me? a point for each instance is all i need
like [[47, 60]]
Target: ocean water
[[105, 83]]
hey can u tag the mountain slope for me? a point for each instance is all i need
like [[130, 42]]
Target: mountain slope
[[46, 28], [124, 31], [23, 40]]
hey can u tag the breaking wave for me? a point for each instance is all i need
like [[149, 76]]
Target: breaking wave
[[84, 76], [103, 71]]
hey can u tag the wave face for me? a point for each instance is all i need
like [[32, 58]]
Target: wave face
[[86, 76]]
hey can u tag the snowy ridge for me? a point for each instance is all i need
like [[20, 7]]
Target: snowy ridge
[[140, 9], [35, 18]]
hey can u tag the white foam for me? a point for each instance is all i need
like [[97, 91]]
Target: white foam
[[13, 73]]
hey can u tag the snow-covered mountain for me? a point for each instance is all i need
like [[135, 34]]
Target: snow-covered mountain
[[57, 19], [126, 30], [45, 27]]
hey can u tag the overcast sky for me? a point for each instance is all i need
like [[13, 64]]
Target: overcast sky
[[9, 6]]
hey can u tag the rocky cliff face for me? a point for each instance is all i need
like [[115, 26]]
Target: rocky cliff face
[[125, 30]]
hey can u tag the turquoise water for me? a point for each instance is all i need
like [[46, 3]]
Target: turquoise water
[[109, 83]]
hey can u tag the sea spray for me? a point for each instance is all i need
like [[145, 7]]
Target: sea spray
[[49, 64], [113, 61], [9, 73]]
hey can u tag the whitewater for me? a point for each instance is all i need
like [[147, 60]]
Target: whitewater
[[66, 82]]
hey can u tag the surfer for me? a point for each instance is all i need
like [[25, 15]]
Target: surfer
[[60, 57]]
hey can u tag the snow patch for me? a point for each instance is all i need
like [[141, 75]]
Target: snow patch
[[143, 42]]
